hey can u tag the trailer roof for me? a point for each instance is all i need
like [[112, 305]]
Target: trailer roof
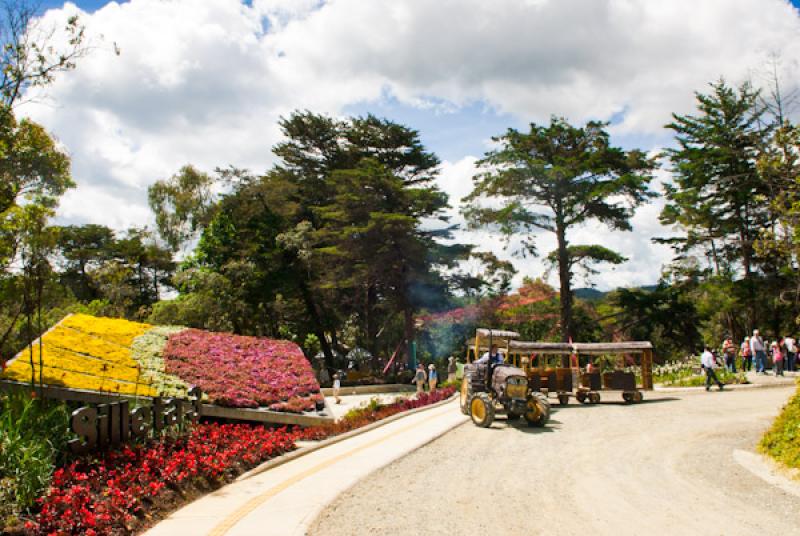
[[630, 347], [499, 333]]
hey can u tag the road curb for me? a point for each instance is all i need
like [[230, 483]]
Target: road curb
[[729, 387], [299, 453], [769, 470]]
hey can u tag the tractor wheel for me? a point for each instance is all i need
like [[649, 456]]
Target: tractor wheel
[[481, 409], [638, 396], [538, 412], [544, 401], [627, 397], [563, 399], [464, 396], [594, 398], [581, 396]]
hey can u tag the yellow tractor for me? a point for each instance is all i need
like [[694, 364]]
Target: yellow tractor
[[491, 387]]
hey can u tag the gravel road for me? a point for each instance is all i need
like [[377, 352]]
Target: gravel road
[[665, 466]]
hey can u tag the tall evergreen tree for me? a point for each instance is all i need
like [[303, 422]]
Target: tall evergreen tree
[[717, 196], [553, 178]]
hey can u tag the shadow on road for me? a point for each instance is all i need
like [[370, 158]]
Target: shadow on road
[[557, 408]]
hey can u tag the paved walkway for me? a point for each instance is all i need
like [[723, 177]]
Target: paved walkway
[[284, 500]]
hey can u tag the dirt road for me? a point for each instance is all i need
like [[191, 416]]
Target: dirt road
[[662, 467]]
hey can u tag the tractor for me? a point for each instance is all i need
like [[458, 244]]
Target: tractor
[[491, 389]]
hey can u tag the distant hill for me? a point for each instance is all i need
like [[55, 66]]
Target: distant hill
[[592, 294]]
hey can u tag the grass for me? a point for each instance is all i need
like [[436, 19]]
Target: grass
[[782, 440], [699, 380], [33, 438]]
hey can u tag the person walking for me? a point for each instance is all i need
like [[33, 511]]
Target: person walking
[[777, 358], [791, 353], [709, 363], [729, 351], [337, 386], [452, 368], [759, 351], [419, 378], [747, 355], [433, 377]]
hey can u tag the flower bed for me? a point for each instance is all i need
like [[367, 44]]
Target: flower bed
[[118, 356], [86, 352], [148, 351], [374, 412], [125, 490], [241, 371]]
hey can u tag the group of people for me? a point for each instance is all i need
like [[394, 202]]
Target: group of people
[[753, 352], [431, 378]]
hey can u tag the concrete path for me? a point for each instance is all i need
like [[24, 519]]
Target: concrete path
[[284, 500]]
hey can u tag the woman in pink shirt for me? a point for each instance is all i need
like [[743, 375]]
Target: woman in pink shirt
[[777, 358]]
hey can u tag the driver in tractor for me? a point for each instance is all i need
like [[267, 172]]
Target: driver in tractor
[[493, 356]]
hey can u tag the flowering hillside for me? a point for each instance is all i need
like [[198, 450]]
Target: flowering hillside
[[243, 371], [84, 352], [118, 356]]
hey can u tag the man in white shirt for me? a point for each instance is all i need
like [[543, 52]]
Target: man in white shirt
[[791, 353], [709, 363], [759, 351], [493, 356]]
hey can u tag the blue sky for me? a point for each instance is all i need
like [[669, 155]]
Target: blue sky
[[204, 82]]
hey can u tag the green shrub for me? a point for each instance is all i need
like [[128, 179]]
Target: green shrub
[[33, 439], [782, 441]]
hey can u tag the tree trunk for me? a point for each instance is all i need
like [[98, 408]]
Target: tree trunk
[[316, 322], [408, 331], [370, 324], [565, 291]]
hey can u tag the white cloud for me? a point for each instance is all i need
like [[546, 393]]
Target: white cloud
[[204, 82], [645, 259]]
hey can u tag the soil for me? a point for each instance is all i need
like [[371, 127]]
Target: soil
[[665, 466]]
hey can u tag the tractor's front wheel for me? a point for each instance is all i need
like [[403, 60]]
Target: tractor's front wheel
[[538, 410], [481, 410], [464, 396]]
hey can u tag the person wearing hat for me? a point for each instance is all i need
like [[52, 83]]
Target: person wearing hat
[[419, 378], [433, 377], [451, 369]]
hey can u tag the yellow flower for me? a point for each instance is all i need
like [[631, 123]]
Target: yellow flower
[[85, 352]]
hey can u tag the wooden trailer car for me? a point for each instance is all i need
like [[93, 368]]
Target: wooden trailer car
[[546, 360]]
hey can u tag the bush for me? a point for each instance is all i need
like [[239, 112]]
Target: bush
[[33, 439], [782, 441]]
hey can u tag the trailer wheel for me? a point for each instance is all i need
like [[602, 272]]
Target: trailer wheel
[[538, 412], [627, 397], [563, 399], [581, 396], [594, 398], [481, 410], [638, 396], [464, 396]]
